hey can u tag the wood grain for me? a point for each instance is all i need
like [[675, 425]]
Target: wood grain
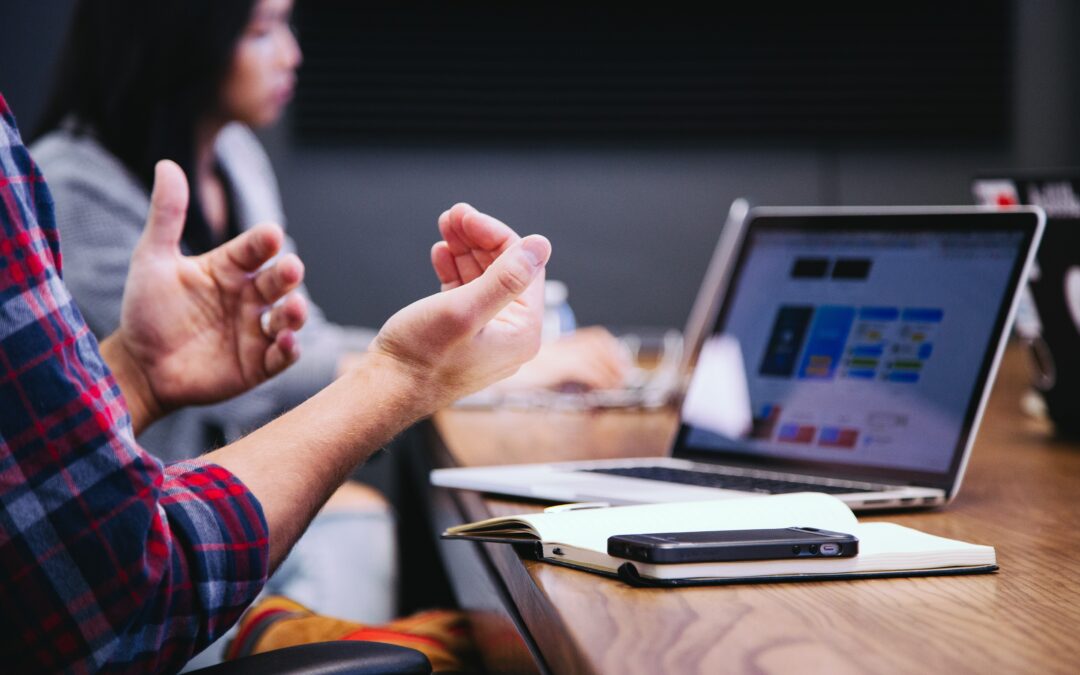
[[1021, 495]]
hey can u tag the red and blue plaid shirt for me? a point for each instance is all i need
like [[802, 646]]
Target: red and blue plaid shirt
[[108, 560]]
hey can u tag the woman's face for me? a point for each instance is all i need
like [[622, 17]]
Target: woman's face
[[262, 76]]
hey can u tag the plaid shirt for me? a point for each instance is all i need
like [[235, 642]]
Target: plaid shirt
[[108, 560]]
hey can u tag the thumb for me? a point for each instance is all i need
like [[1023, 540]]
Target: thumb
[[505, 280], [168, 207]]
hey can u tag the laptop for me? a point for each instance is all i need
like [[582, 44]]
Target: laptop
[[1048, 318], [852, 353]]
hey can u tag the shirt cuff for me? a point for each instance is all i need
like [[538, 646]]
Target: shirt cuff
[[227, 535]]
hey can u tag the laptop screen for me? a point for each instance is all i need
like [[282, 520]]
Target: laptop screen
[[856, 342]]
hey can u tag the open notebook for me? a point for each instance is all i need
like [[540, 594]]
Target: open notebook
[[578, 538]]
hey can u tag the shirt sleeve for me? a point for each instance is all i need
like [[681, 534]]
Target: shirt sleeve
[[109, 560]]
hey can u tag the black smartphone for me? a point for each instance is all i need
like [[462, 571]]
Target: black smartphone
[[733, 545]]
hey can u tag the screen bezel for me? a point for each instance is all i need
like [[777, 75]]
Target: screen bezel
[[1023, 220]]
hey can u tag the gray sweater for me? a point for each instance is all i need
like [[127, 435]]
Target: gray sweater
[[101, 208]]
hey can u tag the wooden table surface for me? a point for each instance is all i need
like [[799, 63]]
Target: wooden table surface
[[1021, 495]]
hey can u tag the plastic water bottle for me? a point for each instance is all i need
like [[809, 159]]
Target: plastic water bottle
[[558, 317]]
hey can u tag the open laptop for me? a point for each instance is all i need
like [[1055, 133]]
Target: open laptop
[[1048, 318], [852, 353]]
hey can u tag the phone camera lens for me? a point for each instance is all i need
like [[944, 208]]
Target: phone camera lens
[[796, 549], [813, 549]]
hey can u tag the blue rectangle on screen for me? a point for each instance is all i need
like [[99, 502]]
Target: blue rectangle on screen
[[879, 313], [868, 350], [925, 350], [828, 335], [786, 340], [861, 374], [923, 315], [900, 376]]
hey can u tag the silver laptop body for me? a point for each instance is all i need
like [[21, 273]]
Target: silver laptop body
[[848, 351]]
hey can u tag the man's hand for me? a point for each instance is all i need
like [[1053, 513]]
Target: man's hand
[[591, 357], [192, 329], [484, 324]]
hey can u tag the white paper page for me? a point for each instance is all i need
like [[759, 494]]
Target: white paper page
[[883, 547], [892, 546]]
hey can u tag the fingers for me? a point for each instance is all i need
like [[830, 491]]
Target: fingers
[[592, 378], [607, 374], [474, 239], [486, 233], [468, 267], [451, 230], [282, 353], [598, 375], [590, 357], [250, 250], [168, 207], [285, 275], [610, 355], [506, 280], [442, 260], [289, 315], [280, 325], [612, 359]]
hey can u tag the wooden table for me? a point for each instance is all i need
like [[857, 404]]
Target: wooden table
[[1021, 495]]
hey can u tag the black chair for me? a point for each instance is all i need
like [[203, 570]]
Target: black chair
[[344, 657]]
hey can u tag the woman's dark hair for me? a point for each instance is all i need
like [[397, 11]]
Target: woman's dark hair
[[140, 74]]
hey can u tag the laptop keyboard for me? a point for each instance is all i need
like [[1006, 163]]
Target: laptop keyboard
[[731, 482]]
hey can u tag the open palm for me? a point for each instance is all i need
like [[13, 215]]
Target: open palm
[[195, 325]]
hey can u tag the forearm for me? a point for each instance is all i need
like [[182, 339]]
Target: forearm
[[294, 463]]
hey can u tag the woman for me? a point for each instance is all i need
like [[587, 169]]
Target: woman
[[144, 81], [187, 80]]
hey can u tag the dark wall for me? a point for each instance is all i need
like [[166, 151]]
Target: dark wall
[[30, 38], [633, 225]]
